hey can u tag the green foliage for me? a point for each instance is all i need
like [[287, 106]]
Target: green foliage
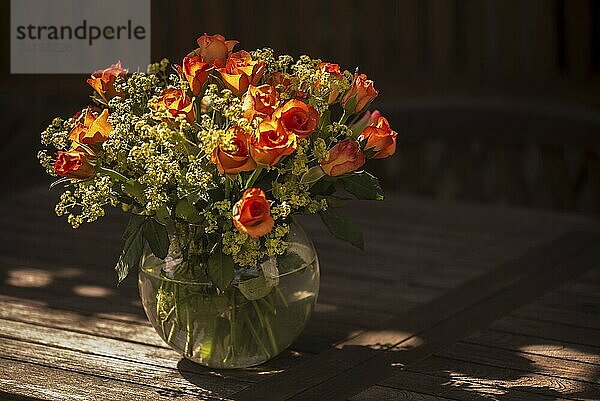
[[342, 228], [255, 288], [220, 269], [187, 211], [157, 237], [363, 185], [133, 249], [313, 175]]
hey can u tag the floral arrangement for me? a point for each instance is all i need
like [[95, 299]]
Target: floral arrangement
[[226, 149]]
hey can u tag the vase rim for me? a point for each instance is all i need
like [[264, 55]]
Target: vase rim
[[151, 270]]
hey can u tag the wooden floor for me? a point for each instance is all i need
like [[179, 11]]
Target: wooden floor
[[449, 301]]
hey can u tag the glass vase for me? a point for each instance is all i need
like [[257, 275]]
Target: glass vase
[[250, 322]]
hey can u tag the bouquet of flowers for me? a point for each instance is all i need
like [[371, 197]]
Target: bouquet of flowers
[[213, 158]]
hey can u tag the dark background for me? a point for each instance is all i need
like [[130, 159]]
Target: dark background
[[494, 100]]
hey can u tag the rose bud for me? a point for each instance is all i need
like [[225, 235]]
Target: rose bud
[[175, 102], [234, 158], [380, 138], [344, 157], [298, 117], [90, 128], [367, 119], [361, 93], [241, 71], [103, 81], [334, 72], [259, 101], [252, 214], [196, 72], [270, 142], [74, 164], [214, 49]]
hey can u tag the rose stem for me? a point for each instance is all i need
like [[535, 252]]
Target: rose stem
[[280, 294], [254, 176], [232, 323], [271, 335], [163, 322], [259, 314], [268, 305], [188, 332], [255, 335]]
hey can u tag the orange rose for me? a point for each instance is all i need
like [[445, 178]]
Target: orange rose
[[298, 117], [103, 81], [196, 72], [270, 142], [241, 71], [90, 128], [235, 158], [176, 102], [259, 101], [214, 49], [380, 138], [361, 93], [74, 164], [334, 72], [344, 157], [252, 214]]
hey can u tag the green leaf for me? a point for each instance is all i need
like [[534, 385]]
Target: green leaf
[[187, 211], [220, 269], [336, 201], [255, 288], [363, 185], [342, 228], [133, 249], [290, 261], [162, 214], [325, 120], [135, 222], [323, 187], [135, 190], [313, 175], [157, 237]]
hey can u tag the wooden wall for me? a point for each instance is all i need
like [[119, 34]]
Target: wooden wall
[[490, 97]]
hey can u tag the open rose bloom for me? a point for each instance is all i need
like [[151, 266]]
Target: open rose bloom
[[214, 161]]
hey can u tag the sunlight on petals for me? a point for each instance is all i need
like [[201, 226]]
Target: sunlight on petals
[[33, 278]]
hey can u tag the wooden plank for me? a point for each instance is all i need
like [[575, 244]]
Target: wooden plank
[[588, 304], [32, 380], [381, 393], [578, 22], [530, 362], [423, 344], [442, 39], [334, 374], [562, 316], [548, 330], [458, 386], [505, 379], [105, 367], [132, 353], [534, 345], [28, 312]]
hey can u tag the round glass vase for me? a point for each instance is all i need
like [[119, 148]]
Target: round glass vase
[[250, 322]]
